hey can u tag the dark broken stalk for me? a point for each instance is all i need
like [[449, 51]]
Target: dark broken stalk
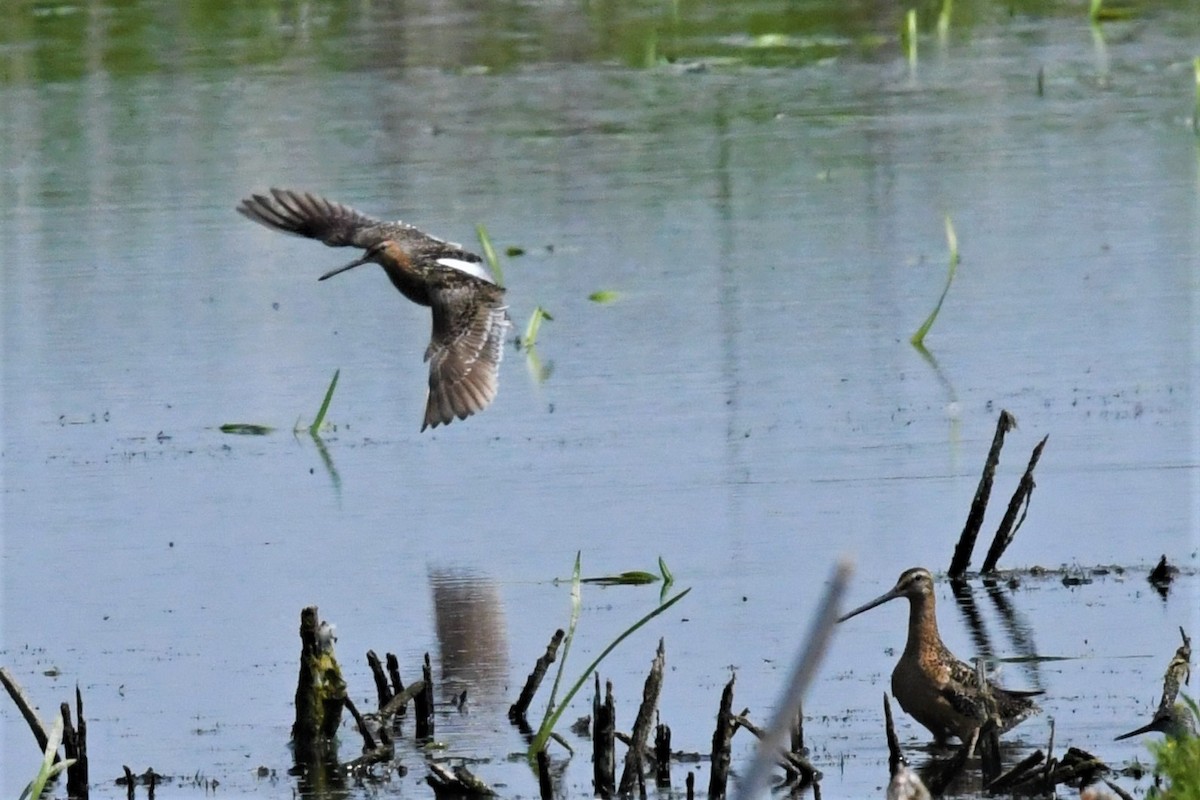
[[662, 756], [424, 703], [1009, 525], [604, 761], [1017, 774], [518, 709], [640, 733], [393, 668], [966, 540], [718, 778], [369, 743], [895, 755], [75, 748], [545, 784], [456, 783], [382, 690]]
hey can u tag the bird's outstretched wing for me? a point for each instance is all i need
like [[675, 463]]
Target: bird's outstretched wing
[[469, 324], [305, 214]]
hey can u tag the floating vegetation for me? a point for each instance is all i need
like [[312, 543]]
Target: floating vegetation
[[918, 338], [512, 251], [489, 254], [603, 297], [529, 339], [320, 419], [246, 429], [631, 578]]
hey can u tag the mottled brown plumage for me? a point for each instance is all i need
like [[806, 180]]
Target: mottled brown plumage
[[470, 317], [935, 688]]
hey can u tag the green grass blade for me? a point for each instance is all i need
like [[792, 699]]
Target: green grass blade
[[1196, 113], [667, 577], [918, 338], [489, 254], [576, 606], [529, 340], [539, 741], [48, 768], [316, 425]]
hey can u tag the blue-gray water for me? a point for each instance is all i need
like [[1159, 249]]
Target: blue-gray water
[[766, 192]]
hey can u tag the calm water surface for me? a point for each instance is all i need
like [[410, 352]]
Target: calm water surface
[[764, 190]]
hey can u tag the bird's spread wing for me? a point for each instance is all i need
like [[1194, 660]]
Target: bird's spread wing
[[469, 324], [304, 214]]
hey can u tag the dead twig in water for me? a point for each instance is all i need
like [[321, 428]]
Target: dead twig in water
[[788, 760], [641, 725], [966, 540], [1009, 525], [718, 778], [604, 760], [27, 710], [518, 709]]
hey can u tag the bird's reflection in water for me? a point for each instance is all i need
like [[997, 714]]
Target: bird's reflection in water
[[471, 633]]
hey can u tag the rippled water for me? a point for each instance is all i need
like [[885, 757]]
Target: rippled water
[[766, 193]]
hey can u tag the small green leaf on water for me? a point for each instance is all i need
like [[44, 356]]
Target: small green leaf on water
[[632, 578], [512, 251], [246, 429], [667, 577], [603, 296]]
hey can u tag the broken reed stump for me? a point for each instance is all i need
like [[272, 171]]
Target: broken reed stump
[[75, 747], [718, 779], [662, 756], [966, 540], [545, 783], [604, 724], [987, 735], [320, 689], [393, 668], [424, 702], [518, 709], [382, 690], [1009, 524], [632, 771]]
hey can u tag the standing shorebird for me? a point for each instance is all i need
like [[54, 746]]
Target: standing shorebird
[[935, 688], [470, 317]]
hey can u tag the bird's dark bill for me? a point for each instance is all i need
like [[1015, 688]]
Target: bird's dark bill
[[358, 262]]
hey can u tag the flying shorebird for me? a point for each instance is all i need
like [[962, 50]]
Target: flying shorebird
[[935, 688], [470, 317]]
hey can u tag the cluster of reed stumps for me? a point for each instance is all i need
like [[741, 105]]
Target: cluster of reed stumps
[[321, 695]]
